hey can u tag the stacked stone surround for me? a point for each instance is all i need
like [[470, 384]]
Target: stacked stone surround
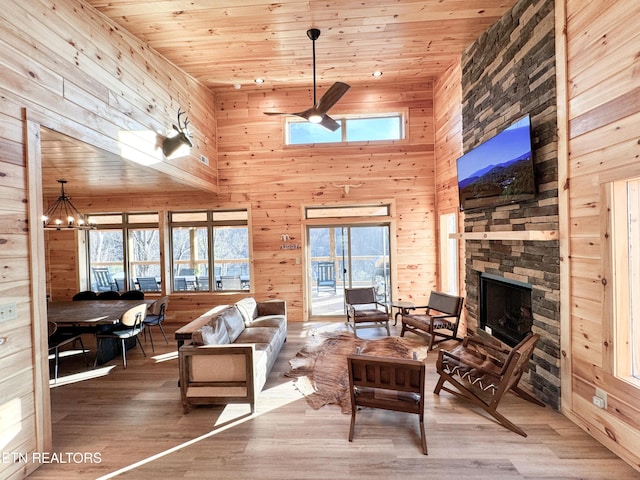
[[507, 73]]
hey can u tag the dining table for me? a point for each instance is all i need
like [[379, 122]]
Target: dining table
[[92, 316], [91, 312]]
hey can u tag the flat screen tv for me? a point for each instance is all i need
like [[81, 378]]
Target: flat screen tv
[[498, 171]]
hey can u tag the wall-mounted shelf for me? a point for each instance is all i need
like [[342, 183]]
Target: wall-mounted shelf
[[508, 235]]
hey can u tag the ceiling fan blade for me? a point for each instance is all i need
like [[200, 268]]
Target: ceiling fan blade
[[331, 96], [329, 123]]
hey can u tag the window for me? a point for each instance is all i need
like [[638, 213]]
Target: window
[[123, 248], [625, 254], [448, 253], [210, 241], [352, 129], [348, 211]]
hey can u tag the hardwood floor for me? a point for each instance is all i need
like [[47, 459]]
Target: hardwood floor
[[132, 422]]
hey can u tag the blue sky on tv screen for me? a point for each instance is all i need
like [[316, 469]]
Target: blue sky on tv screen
[[508, 145]]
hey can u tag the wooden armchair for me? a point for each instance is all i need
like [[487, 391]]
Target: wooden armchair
[[440, 321], [387, 383], [364, 310], [483, 374]]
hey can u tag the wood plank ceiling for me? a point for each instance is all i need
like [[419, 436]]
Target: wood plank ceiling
[[228, 43]]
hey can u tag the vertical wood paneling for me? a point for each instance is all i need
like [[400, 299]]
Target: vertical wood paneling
[[448, 140], [76, 72], [279, 181], [602, 75]]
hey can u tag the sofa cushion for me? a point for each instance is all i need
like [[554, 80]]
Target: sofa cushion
[[274, 321], [248, 308], [233, 321], [258, 335]]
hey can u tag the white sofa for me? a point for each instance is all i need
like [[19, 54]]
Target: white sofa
[[232, 349]]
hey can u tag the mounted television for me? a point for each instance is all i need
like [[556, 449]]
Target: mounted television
[[498, 171]]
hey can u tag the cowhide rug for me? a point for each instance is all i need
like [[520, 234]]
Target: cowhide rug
[[321, 366]]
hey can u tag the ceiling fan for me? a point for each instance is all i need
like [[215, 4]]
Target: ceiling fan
[[318, 113]]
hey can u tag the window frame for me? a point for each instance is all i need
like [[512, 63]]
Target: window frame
[[624, 221], [402, 115], [125, 226], [210, 223]]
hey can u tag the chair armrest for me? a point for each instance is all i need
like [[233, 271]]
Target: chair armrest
[[386, 308], [445, 353], [271, 307], [475, 340]]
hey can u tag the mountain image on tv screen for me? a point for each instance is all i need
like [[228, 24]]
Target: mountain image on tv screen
[[498, 171]]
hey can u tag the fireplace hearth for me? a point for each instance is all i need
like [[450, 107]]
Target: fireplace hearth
[[505, 308]]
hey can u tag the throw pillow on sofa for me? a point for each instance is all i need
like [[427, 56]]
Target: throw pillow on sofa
[[215, 334], [248, 308]]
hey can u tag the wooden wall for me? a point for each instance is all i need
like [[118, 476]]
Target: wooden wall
[[278, 181], [602, 114], [448, 140], [73, 71], [275, 182]]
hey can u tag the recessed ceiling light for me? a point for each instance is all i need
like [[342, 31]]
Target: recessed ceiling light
[[237, 86], [259, 80], [376, 74]]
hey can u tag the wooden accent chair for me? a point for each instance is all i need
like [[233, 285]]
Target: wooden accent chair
[[440, 321], [364, 310], [484, 373], [387, 383]]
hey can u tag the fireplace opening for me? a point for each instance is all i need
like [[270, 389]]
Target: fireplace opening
[[505, 308]]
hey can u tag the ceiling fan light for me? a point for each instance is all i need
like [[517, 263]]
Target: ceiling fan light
[[315, 118]]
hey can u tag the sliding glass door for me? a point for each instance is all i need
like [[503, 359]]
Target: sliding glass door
[[342, 256]]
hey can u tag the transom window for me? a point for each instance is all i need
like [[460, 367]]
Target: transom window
[[361, 128]]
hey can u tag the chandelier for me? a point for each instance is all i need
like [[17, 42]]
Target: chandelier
[[63, 215]]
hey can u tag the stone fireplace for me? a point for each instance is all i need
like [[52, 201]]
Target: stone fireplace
[[507, 73]]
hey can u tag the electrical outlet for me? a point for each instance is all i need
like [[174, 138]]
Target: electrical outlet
[[204, 160], [8, 311], [600, 399]]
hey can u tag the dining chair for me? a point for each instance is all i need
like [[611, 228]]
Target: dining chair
[[59, 337], [109, 295], [132, 295], [85, 295], [155, 318], [131, 325]]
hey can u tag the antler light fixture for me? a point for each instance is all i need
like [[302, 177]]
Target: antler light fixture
[[170, 145], [62, 214]]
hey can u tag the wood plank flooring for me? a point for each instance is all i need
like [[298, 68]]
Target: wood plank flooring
[[133, 420]]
